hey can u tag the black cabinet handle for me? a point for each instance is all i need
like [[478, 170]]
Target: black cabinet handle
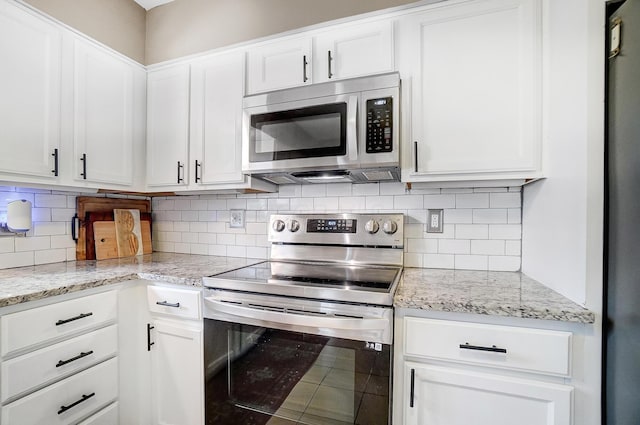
[[412, 390], [329, 59], [75, 403], [492, 349], [180, 167], [55, 162], [83, 158], [73, 359], [304, 68], [168, 304], [78, 317], [149, 343], [415, 157], [198, 165], [75, 224]]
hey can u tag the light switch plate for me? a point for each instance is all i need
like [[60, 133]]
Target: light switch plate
[[236, 219], [434, 221]]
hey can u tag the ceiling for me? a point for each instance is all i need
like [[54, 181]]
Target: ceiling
[[150, 4]]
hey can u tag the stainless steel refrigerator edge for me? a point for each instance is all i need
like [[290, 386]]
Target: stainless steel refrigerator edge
[[621, 361]]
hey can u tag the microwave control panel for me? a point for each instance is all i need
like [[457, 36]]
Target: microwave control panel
[[379, 125]]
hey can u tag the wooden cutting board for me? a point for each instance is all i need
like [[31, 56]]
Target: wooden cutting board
[[106, 241], [86, 204], [93, 217]]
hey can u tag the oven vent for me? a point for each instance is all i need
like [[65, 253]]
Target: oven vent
[[267, 308], [378, 175], [279, 179]]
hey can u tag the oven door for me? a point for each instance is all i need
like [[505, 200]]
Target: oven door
[[268, 374], [301, 135]]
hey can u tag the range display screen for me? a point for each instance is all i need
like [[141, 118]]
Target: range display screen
[[332, 225]]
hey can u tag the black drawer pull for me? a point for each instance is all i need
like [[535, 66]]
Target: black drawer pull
[[73, 359], [413, 386], [78, 317], [149, 343], [75, 403], [168, 304], [492, 349]]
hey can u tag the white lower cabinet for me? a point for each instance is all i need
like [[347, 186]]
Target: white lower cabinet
[[451, 396], [67, 401], [107, 416], [176, 373], [175, 343], [458, 373]]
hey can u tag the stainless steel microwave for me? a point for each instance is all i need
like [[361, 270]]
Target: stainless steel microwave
[[344, 131]]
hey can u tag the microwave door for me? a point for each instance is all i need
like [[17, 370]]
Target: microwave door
[[301, 135]]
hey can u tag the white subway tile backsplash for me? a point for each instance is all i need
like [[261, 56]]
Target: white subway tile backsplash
[[7, 244], [365, 189], [221, 204], [182, 204], [218, 250], [378, 202], [408, 202], [190, 237], [513, 247], [471, 262], [427, 246], [49, 201], [198, 248], [351, 203], [49, 228], [505, 231], [454, 246], [183, 248], [199, 204], [278, 204], [255, 204], [62, 241], [457, 190], [237, 251], [439, 201], [514, 216], [326, 204], [256, 228], [35, 243], [41, 214], [438, 261], [395, 188], [215, 227], [197, 226], [189, 215], [448, 232], [207, 215], [237, 204], [301, 204], [505, 200], [314, 190], [490, 216], [412, 259], [16, 259], [413, 231], [290, 191], [487, 247], [61, 214], [337, 189], [246, 240], [50, 256], [472, 200], [226, 239], [207, 238], [257, 252], [181, 226], [472, 231], [458, 216], [504, 263]]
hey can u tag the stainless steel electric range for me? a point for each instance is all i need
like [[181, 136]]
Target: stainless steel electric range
[[305, 338]]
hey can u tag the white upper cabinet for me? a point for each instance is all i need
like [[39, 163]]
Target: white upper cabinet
[[472, 88], [350, 50], [30, 93], [353, 51], [168, 126], [103, 115], [216, 117], [279, 64]]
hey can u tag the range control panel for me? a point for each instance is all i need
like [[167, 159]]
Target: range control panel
[[379, 125], [337, 229], [331, 225]]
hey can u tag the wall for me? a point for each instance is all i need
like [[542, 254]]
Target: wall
[[185, 27], [482, 229], [49, 240], [119, 24]]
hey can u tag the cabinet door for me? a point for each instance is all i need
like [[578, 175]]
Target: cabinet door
[[30, 97], [474, 71], [103, 113], [279, 65], [443, 395], [168, 126], [353, 51], [216, 116], [177, 373]]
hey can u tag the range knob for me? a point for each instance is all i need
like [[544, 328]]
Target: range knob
[[278, 225], [371, 226], [294, 226], [389, 227]]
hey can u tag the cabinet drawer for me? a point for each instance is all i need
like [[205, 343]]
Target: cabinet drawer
[[508, 347], [175, 302], [66, 401], [31, 327], [56, 361], [107, 416]]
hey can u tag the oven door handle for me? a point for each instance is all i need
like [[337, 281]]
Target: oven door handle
[[307, 321]]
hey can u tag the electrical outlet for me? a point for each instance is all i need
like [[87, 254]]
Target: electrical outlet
[[236, 219], [434, 221]]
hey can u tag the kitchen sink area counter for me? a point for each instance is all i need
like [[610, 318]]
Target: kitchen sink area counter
[[510, 294], [23, 284]]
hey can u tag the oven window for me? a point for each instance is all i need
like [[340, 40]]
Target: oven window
[[309, 132], [257, 375]]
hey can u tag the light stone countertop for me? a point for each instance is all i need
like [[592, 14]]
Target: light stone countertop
[[32, 283], [479, 292], [510, 294]]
